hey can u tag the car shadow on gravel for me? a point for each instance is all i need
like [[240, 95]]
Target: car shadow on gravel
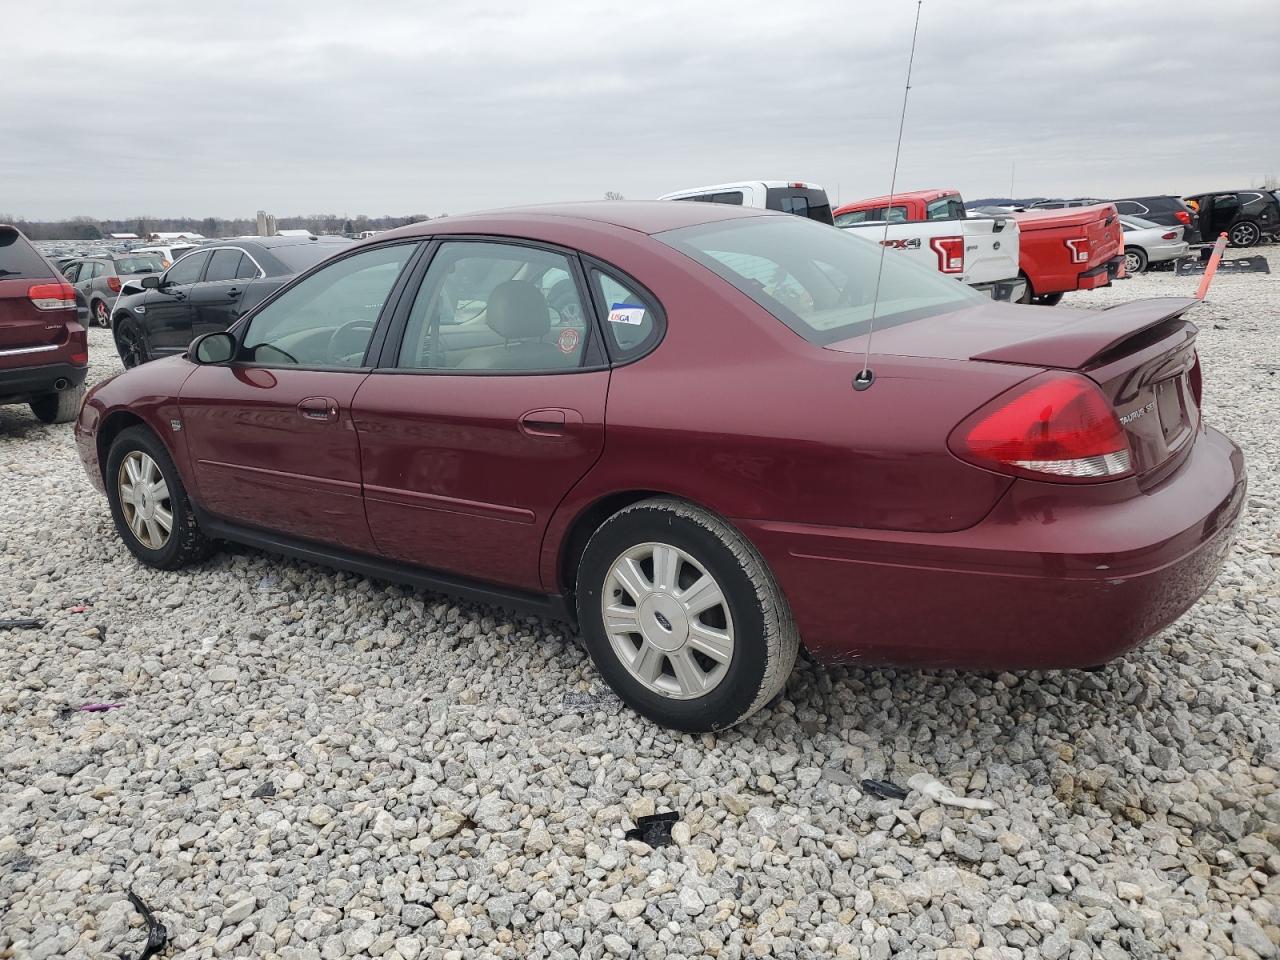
[[18, 423]]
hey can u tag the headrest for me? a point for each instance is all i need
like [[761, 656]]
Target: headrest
[[517, 310]]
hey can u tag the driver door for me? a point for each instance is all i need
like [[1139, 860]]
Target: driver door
[[270, 434], [167, 317]]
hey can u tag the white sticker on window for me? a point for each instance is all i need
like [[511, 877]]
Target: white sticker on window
[[629, 313]]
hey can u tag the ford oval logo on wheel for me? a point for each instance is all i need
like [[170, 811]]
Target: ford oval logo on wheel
[[662, 621]]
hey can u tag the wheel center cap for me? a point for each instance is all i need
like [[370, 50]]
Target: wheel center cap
[[663, 622]]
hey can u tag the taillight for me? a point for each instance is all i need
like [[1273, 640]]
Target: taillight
[[113, 284], [1057, 426], [1169, 236], [1079, 248], [950, 251], [1183, 216], [79, 345], [52, 296], [1196, 380]]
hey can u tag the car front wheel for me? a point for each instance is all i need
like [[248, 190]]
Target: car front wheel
[[682, 617], [149, 504]]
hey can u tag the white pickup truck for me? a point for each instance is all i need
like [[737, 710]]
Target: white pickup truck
[[982, 252]]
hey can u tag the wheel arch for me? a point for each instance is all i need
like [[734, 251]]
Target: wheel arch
[[584, 524], [116, 423]]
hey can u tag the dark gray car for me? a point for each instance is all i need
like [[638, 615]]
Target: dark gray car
[[97, 279]]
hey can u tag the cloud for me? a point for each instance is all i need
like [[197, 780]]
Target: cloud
[[400, 107]]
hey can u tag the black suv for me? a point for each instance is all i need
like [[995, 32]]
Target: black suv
[[1245, 216], [207, 290], [1165, 210]]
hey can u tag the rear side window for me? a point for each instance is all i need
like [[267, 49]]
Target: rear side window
[[801, 201], [223, 265], [853, 216], [19, 259], [733, 197], [631, 319]]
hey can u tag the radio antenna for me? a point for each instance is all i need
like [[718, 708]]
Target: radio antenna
[[867, 377]]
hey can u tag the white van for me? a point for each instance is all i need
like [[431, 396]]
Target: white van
[[803, 199]]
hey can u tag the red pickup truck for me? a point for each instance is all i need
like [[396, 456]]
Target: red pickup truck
[[1061, 250]]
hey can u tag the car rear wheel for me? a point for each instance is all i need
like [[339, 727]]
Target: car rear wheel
[[149, 504], [130, 343], [1027, 293], [1244, 234], [1135, 260], [1048, 299], [101, 314], [682, 617], [60, 407]]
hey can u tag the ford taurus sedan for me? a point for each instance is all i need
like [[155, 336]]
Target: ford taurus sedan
[[706, 434]]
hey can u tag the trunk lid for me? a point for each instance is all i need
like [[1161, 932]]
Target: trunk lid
[[1141, 354]]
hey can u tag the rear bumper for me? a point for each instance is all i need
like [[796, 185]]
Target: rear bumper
[[20, 384], [1167, 251], [1006, 291], [1053, 577]]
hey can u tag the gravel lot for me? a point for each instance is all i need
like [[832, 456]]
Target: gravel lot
[[449, 781]]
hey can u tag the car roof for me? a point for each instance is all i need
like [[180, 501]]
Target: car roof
[[642, 216]]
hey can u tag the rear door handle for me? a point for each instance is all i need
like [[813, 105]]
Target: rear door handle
[[319, 409], [548, 422]]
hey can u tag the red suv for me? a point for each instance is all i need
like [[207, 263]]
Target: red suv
[[44, 352]]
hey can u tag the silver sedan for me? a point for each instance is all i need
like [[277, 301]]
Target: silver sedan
[[1146, 243]]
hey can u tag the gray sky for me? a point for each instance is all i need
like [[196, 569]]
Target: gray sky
[[221, 108]]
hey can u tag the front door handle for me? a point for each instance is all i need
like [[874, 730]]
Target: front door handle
[[233, 293], [319, 409], [548, 422]]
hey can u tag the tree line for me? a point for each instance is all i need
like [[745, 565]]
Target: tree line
[[87, 228]]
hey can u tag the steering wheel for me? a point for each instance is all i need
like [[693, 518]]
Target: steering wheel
[[563, 299], [348, 328]]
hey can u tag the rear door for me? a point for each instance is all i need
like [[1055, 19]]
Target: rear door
[[26, 331], [170, 312], [220, 298], [485, 410]]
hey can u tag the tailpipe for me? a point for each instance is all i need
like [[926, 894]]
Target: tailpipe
[[61, 383]]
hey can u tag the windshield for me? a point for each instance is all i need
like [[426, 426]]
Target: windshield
[[817, 280], [151, 263]]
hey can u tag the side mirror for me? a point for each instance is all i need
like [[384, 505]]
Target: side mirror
[[212, 348], [151, 281]]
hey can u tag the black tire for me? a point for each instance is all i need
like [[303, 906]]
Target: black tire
[[765, 641], [1135, 260], [131, 343], [101, 313], [1027, 293], [60, 407], [186, 543], [1048, 299], [1244, 234]]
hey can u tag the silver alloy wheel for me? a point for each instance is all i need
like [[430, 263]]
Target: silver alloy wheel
[[1245, 234], [1132, 263], [667, 620], [144, 500]]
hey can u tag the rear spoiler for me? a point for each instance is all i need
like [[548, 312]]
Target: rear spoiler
[[1078, 343]]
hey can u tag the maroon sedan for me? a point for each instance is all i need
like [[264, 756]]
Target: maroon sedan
[[649, 418]]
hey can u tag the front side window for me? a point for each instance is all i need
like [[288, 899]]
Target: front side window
[[496, 307], [819, 282], [327, 319], [187, 270], [71, 271]]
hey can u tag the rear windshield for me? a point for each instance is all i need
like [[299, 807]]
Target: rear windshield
[[812, 204], [819, 282], [304, 256], [151, 263], [18, 259]]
